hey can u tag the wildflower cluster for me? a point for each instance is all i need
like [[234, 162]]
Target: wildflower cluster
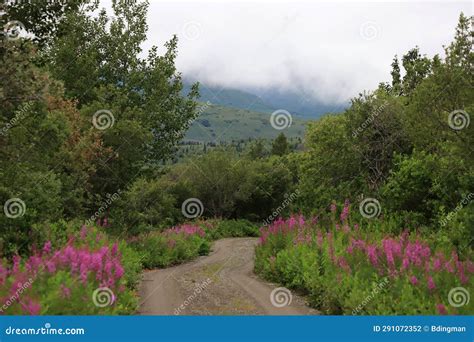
[[411, 265]]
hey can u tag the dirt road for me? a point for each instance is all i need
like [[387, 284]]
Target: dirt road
[[222, 283]]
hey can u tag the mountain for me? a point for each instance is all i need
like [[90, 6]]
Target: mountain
[[230, 98], [265, 100], [298, 103], [227, 114], [219, 123]]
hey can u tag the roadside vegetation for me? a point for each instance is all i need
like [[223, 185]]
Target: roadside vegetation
[[93, 189]]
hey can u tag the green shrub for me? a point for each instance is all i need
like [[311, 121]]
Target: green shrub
[[233, 228], [172, 246]]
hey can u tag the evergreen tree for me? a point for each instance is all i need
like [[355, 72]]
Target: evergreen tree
[[396, 77], [280, 145], [257, 149]]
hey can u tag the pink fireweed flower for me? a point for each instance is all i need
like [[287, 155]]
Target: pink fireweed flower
[[114, 249], [449, 267], [65, 291], [119, 271], [342, 262], [470, 266], [333, 207], [462, 275], [83, 232], [431, 284], [31, 307], [50, 266], [345, 211], [437, 265], [291, 222], [301, 221], [359, 244], [319, 238], [16, 263], [372, 254], [441, 309], [405, 263], [3, 274], [413, 280], [47, 247]]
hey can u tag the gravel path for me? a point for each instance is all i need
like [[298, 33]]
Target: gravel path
[[222, 283]]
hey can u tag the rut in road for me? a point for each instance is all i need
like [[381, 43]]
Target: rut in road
[[222, 283]]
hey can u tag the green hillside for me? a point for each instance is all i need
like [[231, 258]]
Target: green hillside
[[219, 123], [228, 97]]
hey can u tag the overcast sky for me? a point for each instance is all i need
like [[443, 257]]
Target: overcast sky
[[332, 50]]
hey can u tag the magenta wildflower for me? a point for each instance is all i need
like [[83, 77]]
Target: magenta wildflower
[[345, 211], [65, 291], [441, 309], [372, 254], [32, 307], [47, 247], [413, 280], [431, 284]]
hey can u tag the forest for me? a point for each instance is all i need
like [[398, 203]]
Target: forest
[[378, 196]]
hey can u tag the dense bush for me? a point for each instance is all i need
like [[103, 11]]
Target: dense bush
[[187, 241], [172, 246], [144, 207], [348, 269], [230, 228]]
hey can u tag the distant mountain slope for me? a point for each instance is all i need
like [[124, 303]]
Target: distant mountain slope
[[299, 103], [266, 101], [219, 123], [231, 98]]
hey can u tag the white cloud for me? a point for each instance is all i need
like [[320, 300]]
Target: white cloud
[[318, 47]]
